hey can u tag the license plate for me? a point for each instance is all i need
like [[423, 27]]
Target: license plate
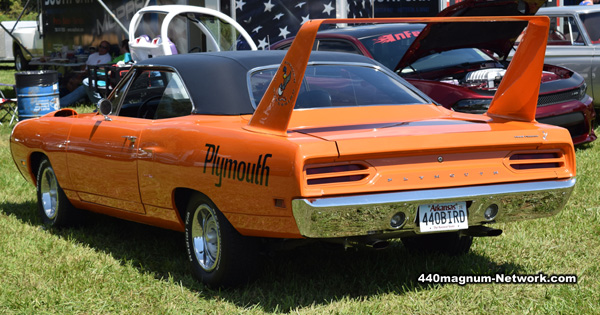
[[443, 216]]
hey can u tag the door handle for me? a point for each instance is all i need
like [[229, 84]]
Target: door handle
[[130, 138]]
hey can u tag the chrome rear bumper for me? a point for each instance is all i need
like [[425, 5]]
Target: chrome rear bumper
[[371, 214]]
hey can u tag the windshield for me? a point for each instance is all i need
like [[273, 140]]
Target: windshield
[[591, 22], [390, 48], [447, 59], [341, 85]]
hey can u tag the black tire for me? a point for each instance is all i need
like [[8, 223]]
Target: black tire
[[452, 244], [21, 64], [219, 255], [53, 206]]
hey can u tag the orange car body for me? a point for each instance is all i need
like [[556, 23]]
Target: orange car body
[[318, 173]]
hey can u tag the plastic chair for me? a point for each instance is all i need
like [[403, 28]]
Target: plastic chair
[[8, 107]]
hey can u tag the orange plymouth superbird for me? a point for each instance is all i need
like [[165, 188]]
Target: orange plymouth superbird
[[242, 149]]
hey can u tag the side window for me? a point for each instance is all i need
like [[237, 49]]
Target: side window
[[337, 45], [155, 94], [590, 23], [564, 32], [175, 101]]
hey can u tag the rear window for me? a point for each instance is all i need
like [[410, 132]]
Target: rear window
[[390, 48], [341, 85]]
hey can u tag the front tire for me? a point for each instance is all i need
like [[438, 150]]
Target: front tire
[[53, 206], [21, 64], [452, 243], [218, 254]]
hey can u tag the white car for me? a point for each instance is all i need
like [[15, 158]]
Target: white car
[[25, 38], [574, 42]]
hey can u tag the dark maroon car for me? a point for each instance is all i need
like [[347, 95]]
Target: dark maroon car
[[461, 68]]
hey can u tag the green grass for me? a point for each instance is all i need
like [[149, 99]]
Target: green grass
[[114, 266]]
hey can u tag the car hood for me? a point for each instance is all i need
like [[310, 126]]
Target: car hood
[[498, 37]]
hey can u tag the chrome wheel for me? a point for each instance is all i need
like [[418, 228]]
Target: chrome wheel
[[49, 192], [218, 254], [53, 206], [206, 237], [20, 62]]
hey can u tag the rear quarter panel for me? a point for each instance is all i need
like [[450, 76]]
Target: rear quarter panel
[[243, 173]]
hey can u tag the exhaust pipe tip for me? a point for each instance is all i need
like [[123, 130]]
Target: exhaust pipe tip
[[482, 231], [378, 244]]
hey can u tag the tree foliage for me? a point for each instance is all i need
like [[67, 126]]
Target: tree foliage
[[11, 9]]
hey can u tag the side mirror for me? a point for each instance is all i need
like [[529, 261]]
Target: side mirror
[[105, 108]]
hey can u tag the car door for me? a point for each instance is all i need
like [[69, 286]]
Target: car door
[[102, 161], [569, 47], [103, 152]]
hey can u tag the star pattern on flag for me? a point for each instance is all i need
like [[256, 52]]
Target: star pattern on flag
[[283, 32], [262, 43], [268, 6], [239, 4], [272, 21], [328, 8], [305, 19]]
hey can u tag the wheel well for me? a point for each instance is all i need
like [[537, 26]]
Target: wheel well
[[34, 163], [181, 197], [17, 49]]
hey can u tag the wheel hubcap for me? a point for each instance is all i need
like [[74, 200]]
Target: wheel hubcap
[[49, 193], [206, 237]]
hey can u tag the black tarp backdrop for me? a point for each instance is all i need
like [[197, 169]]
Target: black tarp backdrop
[[84, 22], [406, 8]]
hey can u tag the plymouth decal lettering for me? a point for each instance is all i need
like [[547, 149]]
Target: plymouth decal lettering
[[222, 167]]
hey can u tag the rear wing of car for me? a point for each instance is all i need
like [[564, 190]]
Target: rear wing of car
[[515, 99]]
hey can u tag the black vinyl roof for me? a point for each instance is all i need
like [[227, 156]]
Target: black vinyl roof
[[217, 81]]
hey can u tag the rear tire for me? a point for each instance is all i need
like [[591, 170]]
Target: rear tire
[[53, 206], [452, 243], [218, 254]]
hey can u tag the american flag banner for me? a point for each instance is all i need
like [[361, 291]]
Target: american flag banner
[[269, 21]]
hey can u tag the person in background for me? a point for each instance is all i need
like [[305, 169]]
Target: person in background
[[100, 57], [124, 51], [589, 2]]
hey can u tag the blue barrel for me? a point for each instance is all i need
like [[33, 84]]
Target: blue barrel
[[37, 93]]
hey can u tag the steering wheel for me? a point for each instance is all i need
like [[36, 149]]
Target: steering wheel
[[556, 35], [169, 107], [144, 109], [196, 48]]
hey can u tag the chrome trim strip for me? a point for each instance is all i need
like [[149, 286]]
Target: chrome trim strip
[[371, 214]]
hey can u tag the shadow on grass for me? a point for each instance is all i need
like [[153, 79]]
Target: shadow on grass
[[7, 66], [314, 274]]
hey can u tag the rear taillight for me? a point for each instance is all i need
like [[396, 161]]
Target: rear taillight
[[339, 173], [533, 160]]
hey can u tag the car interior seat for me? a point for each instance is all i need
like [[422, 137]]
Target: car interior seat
[[313, 99]]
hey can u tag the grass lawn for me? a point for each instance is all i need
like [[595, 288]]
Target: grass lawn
[[114, 266]]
